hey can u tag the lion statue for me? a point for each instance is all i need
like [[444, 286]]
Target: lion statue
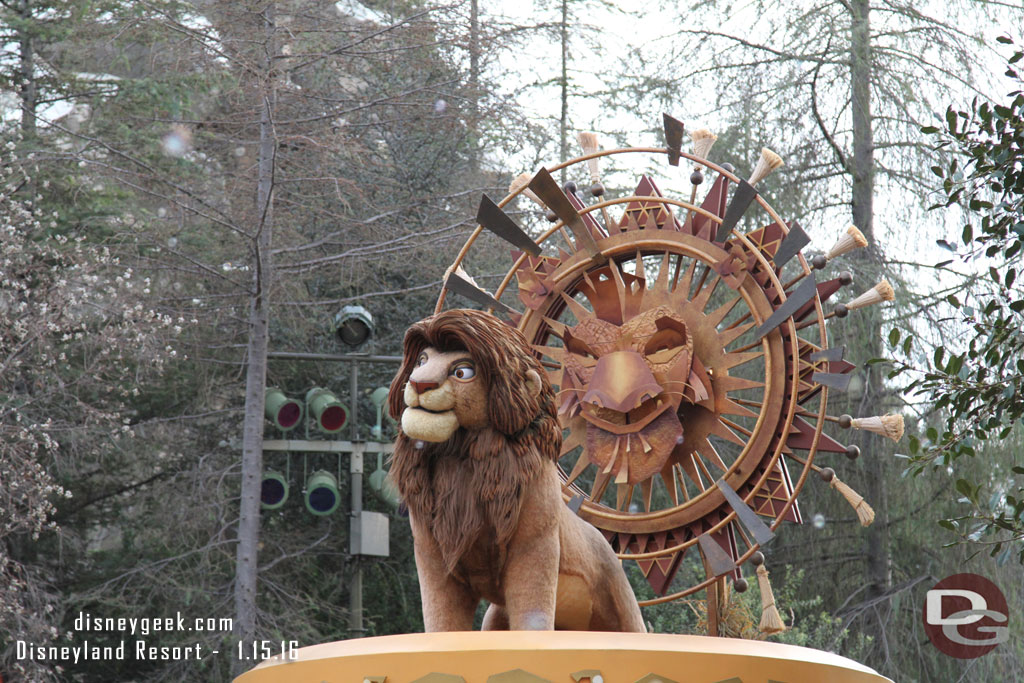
[[475, 464]]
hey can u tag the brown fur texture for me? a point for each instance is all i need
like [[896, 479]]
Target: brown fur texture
[[485, 506], [494, 463]]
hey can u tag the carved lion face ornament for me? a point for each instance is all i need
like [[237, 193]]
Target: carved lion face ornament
[[628, 382]]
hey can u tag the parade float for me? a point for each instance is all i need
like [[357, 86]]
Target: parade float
[[666, 405]]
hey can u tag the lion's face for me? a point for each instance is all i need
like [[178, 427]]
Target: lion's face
[[467, 370], [445, 392]]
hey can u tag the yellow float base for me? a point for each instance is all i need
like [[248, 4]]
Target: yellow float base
[[558, 657]]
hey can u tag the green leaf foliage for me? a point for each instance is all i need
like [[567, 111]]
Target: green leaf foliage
[[977, 390]]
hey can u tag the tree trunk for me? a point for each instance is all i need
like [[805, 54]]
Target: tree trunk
[[563, 124], [474, 88], [256, 369], [863, 172], [27, 72]]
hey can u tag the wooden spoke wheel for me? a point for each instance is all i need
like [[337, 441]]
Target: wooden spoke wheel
[[690, 360]]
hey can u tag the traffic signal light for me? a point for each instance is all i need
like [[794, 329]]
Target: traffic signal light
[[322, 495], [330, 414], [284, 412]]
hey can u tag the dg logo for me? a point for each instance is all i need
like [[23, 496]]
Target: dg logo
[[966, 616]]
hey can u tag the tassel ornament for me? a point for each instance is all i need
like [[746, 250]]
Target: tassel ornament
[[771, 621], [883, 291], [850, 240], [522, 180], [864, 512], [588, 141], [460, 272], [768, 162], [703, 141], [889, 426]]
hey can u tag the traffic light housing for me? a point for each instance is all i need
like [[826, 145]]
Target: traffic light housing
[[384, 487]]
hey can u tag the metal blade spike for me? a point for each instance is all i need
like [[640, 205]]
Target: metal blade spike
[[673, 138], [758, 529], [497, 221], [457, 284], [718, 560], [833, 354], [741, 199], [796, 240], [544, 185], [832, 380], [801, 295]]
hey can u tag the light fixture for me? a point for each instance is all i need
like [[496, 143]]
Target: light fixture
[[322, 495], [380, 483], [284, 412], [330, 414], [273, 490], [378, 398], [353, 325]]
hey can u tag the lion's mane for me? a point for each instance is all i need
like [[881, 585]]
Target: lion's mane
[[474, 482]]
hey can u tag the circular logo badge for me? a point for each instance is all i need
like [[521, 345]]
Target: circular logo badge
[[966, 616]]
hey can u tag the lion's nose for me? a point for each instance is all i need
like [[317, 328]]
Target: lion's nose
[[621, 381], [420, 387]]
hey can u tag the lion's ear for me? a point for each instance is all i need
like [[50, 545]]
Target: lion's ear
[[513, 400], [533, 383]]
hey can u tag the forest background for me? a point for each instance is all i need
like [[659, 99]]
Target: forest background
[[187, 186]]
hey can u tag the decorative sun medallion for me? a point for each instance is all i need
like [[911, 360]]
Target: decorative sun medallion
[[691, 361]]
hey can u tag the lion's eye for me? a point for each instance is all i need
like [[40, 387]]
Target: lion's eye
[[664, 345], [421, 360], [664, 355], [587, 360], [463, 372]]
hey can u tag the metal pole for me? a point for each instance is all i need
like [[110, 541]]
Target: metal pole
[[354, 357], [355, 619], [353, 402]]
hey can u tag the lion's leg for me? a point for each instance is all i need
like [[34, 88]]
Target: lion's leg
[[616, 608], [495, 619], [531, 579], [627, 616], [448, 605], [530, 575]]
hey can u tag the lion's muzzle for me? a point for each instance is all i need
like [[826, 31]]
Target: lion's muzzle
[[430, 416]]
